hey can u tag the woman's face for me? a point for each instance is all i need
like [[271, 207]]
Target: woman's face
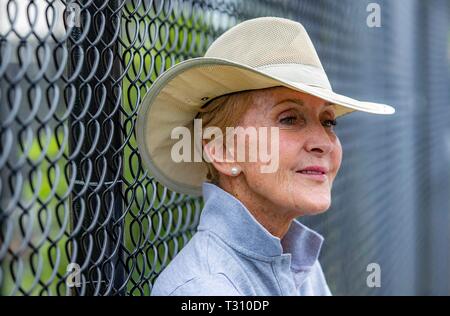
[[306, 138]]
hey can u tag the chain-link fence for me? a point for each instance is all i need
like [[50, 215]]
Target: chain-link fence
[[80, 216]]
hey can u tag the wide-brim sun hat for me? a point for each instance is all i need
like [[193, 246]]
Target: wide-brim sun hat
[[255, 54]]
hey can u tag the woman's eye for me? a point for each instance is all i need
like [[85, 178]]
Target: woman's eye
[[292, 120], [330, 123], [289, 120]]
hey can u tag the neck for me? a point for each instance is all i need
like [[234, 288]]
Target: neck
[[271, 217]]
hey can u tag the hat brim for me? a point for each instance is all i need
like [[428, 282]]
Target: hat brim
[[176, 96]]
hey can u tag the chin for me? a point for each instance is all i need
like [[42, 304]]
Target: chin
[[314, 207], [317, 211]]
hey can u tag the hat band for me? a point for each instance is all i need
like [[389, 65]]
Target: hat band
[[305, 74]]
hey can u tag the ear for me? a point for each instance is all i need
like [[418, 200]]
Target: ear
[[215, 153]]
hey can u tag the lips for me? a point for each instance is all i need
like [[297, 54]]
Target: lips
[[314, 173], [313, 170]]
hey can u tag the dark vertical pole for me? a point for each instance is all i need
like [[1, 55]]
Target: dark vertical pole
[[4, 192], [97, 153]]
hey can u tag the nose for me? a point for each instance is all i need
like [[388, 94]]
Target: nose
[[318, 140]]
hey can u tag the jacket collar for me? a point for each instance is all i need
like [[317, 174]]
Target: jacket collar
[[228, 218]]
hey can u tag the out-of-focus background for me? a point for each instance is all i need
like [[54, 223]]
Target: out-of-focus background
[[80, 216]]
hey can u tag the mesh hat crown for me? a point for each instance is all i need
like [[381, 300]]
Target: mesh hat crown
[[255, 54], [272, 45]]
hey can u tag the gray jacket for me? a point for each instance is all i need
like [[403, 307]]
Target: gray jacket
[[233, 254]]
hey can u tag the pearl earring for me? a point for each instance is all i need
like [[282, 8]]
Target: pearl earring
[[235, 171]]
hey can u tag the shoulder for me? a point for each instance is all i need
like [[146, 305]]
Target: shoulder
[[216, 284], [202, 267]]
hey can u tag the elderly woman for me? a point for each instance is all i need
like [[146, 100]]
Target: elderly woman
[[262, 73]]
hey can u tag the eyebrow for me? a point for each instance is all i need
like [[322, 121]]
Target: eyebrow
[[299, 102]]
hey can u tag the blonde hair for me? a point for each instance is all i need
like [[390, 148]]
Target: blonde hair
[[224, 111]]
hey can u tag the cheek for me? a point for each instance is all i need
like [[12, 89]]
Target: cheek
[[287, 155], [290, 148], [337, 156]]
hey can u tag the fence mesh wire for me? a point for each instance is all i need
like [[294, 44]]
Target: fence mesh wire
[[76, 200]]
